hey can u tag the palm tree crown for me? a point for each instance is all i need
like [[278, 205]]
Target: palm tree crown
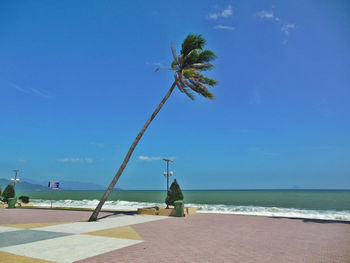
[[189, 65]]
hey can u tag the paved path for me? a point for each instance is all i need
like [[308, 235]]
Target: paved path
[[197, 238], [25, 215], [47, 241]]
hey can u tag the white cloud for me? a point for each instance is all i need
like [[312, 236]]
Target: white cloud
[[18, 88], [214, 16], [37, 92], [158, 64], [269, 15], [224, 27], [285, 28], [70, 160], [40, 93], [266, 15], [154, 158], [227, 12], [149, 158], [224, 13], [21, 160], [76, 160]]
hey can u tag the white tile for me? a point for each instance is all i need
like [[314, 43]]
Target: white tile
[[69, 248], [7, 229], [84, 227]]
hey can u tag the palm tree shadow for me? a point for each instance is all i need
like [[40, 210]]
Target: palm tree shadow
[[117, 214], [314, 220]]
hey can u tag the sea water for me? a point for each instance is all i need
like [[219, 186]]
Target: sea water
[[316, 204]]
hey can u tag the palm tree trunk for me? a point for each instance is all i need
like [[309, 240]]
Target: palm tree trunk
[[98, 208]]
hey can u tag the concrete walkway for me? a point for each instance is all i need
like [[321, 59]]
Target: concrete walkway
[[197, 238]]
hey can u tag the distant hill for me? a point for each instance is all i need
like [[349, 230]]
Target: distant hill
[[33, 185], [22, 186]]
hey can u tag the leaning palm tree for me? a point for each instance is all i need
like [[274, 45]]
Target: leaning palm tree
[[188, 79]]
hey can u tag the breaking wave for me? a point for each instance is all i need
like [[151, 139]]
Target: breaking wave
[[206, 208]]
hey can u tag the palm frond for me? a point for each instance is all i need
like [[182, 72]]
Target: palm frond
[[179, 86], [173, 50], [189, 94], [189, 73], [182, 82], [174, 65], [181, 59], [158, 69], [201, 89], [206, 56], [202, 66], [192, 57], [210, 82], [192, 42]]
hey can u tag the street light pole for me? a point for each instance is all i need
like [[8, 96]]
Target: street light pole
[[15, 180], [167, 174]]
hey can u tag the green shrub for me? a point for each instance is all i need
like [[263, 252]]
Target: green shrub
[[174, 194], [24, 199], [0, 190], [9, 192]]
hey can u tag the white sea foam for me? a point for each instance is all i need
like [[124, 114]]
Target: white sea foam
[[273, 212], [207, 208], [122, 205]]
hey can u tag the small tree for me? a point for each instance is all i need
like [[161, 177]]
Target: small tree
[[0, 190], [9, 192], [174, 194], [24, 199]]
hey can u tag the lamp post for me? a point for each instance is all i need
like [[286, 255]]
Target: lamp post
[[167, 174], [15, 180]]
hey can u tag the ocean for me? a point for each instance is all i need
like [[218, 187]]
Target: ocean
[[315, 204]]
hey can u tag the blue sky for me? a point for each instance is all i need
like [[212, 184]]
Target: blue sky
[[77, 83]]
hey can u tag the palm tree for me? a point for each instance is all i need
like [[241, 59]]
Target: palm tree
[[188, 79]]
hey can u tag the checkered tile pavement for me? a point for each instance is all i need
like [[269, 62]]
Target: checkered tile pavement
[[68, 242]]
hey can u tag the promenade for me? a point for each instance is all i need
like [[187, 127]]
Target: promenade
[[40, 235]]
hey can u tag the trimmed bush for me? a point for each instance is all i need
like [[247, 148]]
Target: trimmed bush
[[24, 199], [174, 194], [9, 192]]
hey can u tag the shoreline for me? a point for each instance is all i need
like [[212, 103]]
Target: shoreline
[[343, 215], [326, 205]]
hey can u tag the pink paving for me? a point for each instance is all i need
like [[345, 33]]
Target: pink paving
[[231, 238], [215, 238], [26, 216]]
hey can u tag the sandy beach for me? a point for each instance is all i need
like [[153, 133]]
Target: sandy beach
[[196, 238]]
